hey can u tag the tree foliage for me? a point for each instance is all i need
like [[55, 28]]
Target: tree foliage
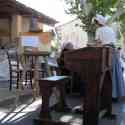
[[85, 10]]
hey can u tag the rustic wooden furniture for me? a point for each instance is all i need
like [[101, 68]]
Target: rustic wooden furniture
[[14, 68], [17, 73], [46, 86], [32, 58], [93, 64]]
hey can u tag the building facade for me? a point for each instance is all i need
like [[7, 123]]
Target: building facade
[[72, 32], [17, 19]]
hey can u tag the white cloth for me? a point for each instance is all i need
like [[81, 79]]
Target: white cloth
[[106, 35], [101, 19]]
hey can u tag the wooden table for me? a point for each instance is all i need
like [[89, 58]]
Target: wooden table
[[34, 66], [46, 86], [34, 55]]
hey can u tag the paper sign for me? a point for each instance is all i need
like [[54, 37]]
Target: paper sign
[[31, 41]]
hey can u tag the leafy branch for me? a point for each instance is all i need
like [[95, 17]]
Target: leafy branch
[[85, 10]]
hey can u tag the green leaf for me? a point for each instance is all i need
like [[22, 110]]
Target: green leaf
[[104, 7]]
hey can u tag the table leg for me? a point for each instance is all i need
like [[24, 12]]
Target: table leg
[[45, 110]]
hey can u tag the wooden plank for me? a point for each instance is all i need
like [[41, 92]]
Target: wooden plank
[[8, 10], [4, 15], [4, 34], [14, 7], [7, 4]]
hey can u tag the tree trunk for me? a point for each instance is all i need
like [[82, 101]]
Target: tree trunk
[[91, 37]]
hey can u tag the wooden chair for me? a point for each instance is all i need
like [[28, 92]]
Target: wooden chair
[[14, 68], [17, 70], [19, 74]]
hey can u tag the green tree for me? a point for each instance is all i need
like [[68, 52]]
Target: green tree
[[85, 10]]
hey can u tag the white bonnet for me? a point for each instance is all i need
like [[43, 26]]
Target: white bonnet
[[101, 19]]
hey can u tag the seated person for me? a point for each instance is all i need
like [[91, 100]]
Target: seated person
[[65, 71], [68, 46]]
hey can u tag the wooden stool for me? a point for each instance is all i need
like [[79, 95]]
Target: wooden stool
[[46, 86]]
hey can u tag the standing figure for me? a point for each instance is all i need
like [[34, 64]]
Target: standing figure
[[106, 36]]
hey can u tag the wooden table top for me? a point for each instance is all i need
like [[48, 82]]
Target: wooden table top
[[55, 78], [36, 53]]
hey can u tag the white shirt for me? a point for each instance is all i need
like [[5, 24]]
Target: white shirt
[[106, 35]]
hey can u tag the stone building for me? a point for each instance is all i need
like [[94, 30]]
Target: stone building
[[16, 19]]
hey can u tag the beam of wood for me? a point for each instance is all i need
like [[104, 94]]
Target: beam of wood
[[8, 10], [14, 7], [5, 15], [4, 34], [6, 4]]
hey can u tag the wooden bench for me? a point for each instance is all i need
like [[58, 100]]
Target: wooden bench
[[46, 85]]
